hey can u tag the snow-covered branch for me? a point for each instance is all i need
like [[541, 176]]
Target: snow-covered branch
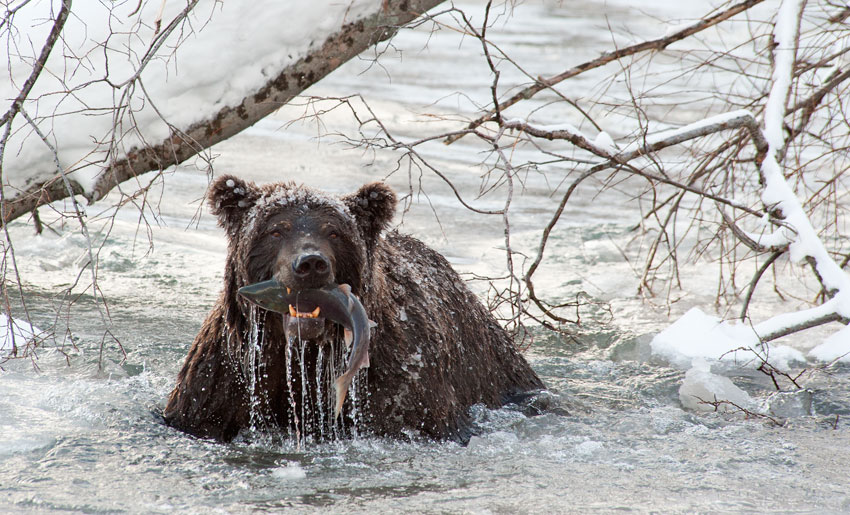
[[780, 199], [601, 147], [191, 88]]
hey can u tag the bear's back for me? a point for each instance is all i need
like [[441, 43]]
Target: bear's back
[[436, 350]]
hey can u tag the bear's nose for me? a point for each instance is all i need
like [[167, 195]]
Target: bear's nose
[[313, 266]]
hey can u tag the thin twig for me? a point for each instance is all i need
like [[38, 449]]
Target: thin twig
[[654, 44]]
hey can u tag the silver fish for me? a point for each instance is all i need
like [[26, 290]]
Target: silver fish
[[334, 302]]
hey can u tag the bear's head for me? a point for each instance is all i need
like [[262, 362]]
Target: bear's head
[[301, 237]]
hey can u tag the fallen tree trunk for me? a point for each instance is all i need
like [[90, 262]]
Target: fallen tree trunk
[[184, 143]]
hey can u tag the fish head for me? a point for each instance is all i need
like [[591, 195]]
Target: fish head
[[300, 319], [305, 311]]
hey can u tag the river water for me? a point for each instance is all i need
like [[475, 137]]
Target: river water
[[76, 436]]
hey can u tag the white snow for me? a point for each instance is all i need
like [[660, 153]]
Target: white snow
[[226, 51], [793, 318], [560, 127], [603, 143], [674, 27], [702, 336], [606, 142], [719, 119], [785, 35], [836, 347], [771, 236], [777, 191], [17, 335]]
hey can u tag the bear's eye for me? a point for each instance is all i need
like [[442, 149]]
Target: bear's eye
[[333, 235], [279, 230]]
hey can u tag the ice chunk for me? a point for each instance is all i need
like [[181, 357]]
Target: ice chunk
[[17, 335], [701, 386], [698, 335], [789, 404]]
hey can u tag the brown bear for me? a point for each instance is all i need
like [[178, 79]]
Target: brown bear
[[435, 349]]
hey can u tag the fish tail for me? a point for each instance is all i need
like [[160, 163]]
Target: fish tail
[[341, 386]]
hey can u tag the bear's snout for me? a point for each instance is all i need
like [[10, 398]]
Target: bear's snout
[[311, 267]]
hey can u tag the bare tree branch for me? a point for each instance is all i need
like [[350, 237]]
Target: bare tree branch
[[755, 280], [654, 44], [38, 66]]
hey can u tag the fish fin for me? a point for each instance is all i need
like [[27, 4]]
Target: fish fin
[[372, 324], [341, 386], [365, 360], [346, 289], [347, 337]]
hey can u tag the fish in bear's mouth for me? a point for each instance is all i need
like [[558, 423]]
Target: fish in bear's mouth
[[334, 302], [297, 314]]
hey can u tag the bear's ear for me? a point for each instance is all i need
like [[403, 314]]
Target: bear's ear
[[230, 198], [373, 206]]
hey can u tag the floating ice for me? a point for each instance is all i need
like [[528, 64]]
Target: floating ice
[[789, 404], [17, 336], [701, 386]]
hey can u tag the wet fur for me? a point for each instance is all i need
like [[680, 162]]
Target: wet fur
[[426, 370]]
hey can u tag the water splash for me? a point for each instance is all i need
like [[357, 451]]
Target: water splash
[[295, 422], [306, 410], [321, 405], [311, 370], [255, 364], [328, 382]]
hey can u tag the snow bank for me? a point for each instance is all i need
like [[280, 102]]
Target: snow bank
[[226, 51], [698, 335]]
